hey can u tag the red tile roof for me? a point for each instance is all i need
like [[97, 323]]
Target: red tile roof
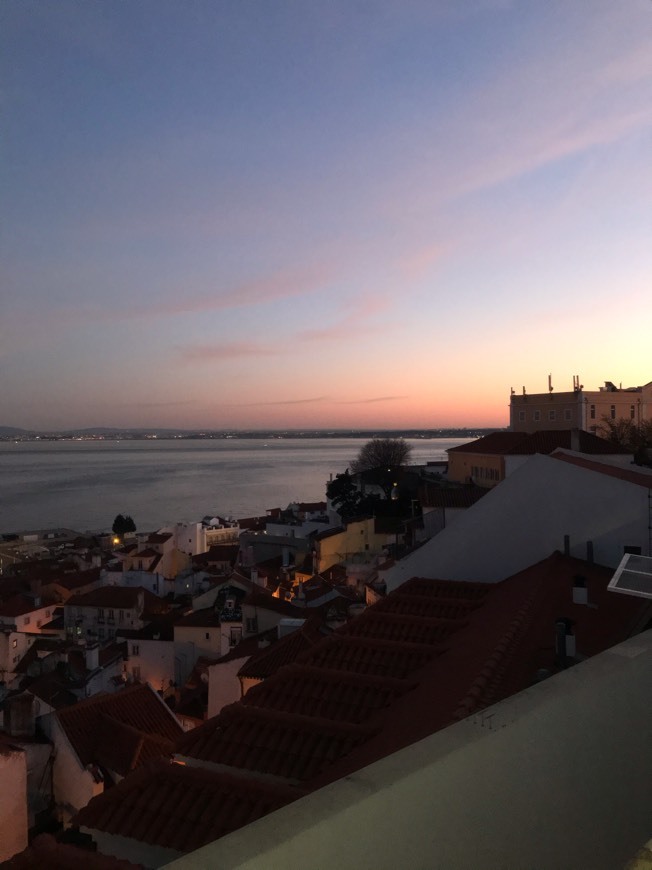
[[158, 537], [45, 853], [121, 730], [265, 662], [19, 605], [181, 807], [425, 656], [544, 441], [629, 475]]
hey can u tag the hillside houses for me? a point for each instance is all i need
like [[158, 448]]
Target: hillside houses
[[313, 654]]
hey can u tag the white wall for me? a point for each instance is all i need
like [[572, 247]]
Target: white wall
[[555, 778], [223, 684], [13, 801], [524, 519], [73, 785]]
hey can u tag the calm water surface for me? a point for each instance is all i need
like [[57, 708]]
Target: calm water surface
[[84, 484]]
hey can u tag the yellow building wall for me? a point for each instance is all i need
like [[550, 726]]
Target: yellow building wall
[[482, 469], [357, 537]]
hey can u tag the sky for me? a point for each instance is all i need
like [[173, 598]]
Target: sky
[[230, 214]]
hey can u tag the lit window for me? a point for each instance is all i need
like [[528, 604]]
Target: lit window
[[14, 643]]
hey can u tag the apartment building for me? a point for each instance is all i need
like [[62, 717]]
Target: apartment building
[[579, 408]]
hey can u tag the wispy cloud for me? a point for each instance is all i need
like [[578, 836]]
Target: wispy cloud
[[228, 351], [374, 400], [311, 401]]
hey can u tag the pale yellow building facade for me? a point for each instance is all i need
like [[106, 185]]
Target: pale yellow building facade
[[579, 408]]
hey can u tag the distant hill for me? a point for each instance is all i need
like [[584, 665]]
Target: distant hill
[[8, 431]]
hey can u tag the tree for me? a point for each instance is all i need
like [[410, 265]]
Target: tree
[[382, 453], [636, 438], [379, 460], [348, 500], [122, 525]]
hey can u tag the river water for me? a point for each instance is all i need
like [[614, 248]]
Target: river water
[[82, 485]]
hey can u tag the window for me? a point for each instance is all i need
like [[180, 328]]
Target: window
[[521, 416], [536, 416], [592, 412], [235, 636], [207, 636], [26, 620], [121, 615], [613, 412], [135, 649], [14, 643], [635, 551], [632, 412], [252, 625], [568, 414], [551, 415]]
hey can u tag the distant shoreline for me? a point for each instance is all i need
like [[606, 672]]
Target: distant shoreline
[[7, 434]]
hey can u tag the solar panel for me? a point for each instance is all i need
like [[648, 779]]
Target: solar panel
[[633, 576]]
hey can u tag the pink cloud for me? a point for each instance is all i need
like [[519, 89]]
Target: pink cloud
[[227, 351]]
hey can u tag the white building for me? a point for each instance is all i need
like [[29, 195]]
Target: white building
[[560, 502]]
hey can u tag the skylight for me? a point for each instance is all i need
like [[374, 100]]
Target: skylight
[[633, 576]]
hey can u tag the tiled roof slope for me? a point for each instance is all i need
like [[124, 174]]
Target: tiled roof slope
[[45, 853], [267, 661], [120, 730], [428, 654], [629, 475], [181, 807], [544, 441]]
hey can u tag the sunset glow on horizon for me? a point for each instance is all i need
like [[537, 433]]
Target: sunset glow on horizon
[[240, 215]]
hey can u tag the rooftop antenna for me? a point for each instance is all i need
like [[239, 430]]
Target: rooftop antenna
[[550, 386]]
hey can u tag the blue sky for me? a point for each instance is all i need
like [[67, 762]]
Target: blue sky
[[252, 214]]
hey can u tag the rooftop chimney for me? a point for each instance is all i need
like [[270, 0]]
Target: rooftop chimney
[[92, 655]]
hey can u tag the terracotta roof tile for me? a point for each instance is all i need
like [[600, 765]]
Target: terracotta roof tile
[[137, 707], [272, 743], [629, 475], [544, 441], [45, 853], [181, 807], [118, 597], [426, 655], [265, 662]]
